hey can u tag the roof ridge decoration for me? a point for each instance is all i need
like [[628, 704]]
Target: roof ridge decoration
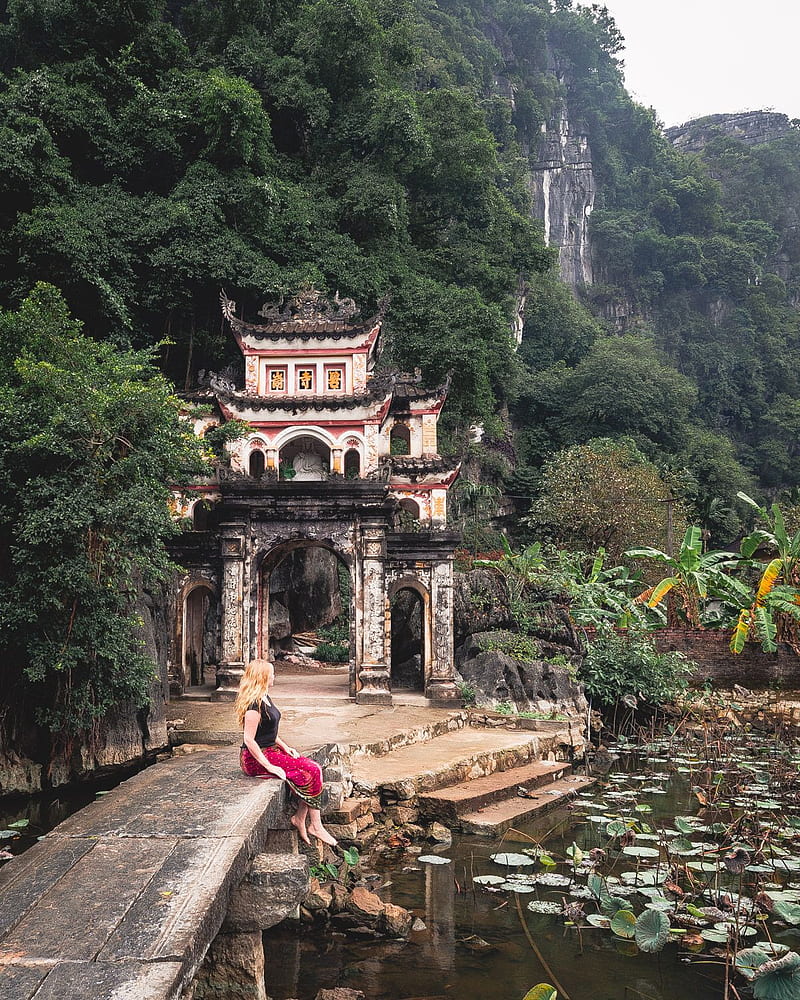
[[307, 315], [310, 306]]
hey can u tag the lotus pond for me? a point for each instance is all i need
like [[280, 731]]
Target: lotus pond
[[677, 875]]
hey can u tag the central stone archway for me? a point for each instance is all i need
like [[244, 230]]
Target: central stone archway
[[305, 584]]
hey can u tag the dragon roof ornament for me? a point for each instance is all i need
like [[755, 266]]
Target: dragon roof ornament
[[307, 315], [310, 306]]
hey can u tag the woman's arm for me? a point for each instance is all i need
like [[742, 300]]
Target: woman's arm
[[251, 720], [287, 749]]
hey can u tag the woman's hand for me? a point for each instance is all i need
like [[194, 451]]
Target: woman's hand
[[278, 772], [292, 752]]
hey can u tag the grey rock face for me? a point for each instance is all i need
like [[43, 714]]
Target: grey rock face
[[534, 685], [563, 189], [480, 602], [754, 128], [304, 591]]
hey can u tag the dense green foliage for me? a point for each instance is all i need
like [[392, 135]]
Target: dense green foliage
[[604, 494], [90, 437], [628, 666], [152, 154]]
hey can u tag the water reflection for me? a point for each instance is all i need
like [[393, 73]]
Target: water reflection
[[436, 963]]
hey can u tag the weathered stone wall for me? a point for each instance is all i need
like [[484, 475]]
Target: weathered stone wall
[[752, 668], [710, 650]]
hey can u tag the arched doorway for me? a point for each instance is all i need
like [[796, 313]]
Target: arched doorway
[[400, 440], [408, 640], [199, 635], [306, 605]]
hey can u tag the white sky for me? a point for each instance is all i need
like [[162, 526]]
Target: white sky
[[688, 58]]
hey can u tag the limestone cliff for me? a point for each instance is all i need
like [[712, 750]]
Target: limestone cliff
[[563, 190], [753, 128]]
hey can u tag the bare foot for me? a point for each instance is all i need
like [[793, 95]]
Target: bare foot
[[300, 826], [322, 834]]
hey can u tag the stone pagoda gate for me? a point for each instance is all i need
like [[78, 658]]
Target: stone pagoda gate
[[336, 458]]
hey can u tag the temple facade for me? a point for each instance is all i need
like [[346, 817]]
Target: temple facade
[[337, 455]]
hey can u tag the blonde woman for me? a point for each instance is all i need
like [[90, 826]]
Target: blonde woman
[[265, 755]]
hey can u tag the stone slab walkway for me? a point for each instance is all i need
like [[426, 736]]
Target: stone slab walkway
[[121, 901], [312, 717]]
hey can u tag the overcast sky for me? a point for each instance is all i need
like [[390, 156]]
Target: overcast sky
[[688, 58]]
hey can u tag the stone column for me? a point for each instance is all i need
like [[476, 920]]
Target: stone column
[[374, 668], [233, 968], [337, 465], [441, 686], [231, 666]]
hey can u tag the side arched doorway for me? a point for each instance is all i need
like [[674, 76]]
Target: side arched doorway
[[306, 605], [410, 638], [198, 646]]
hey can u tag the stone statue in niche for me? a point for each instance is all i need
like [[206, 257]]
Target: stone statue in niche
[[308, 465]]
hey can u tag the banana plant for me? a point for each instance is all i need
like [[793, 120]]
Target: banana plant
[[773, 615], [694, 577]]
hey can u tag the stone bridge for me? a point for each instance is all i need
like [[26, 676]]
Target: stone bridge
[[123, 900]]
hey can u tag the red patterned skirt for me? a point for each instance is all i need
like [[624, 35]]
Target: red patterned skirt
[[303, 775]]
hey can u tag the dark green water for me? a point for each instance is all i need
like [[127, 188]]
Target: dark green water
[[594, 965], [45, 811]]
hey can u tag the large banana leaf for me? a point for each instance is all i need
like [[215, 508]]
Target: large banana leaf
[[741, 631], [768, 579], [766, 629], [649, 553], [752, 542], [692, 540], [661, 590]]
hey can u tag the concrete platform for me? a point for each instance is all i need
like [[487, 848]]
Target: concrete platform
[[316, 712], [461, 755], [123, 899]]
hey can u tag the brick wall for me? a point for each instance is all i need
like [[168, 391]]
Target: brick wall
[[752, 668]]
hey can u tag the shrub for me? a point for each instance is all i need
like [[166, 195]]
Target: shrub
[[514, 644], [332, 652], [467, 693], [625, 666]]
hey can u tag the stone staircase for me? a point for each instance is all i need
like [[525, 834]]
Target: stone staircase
[[469, 779]]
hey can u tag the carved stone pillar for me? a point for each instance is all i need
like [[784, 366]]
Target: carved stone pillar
[[441, 685], [231, 665], [373, 676]]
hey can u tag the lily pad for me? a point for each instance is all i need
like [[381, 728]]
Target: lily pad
[[651, 931], [598, 920], [489, 879], [544, 906], [542, 991], [511, 860], [788, 912], [433, 859], [623, 924], [635, 851], [717, 937]]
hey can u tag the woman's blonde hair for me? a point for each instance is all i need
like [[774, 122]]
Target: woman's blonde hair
[[257, 677]]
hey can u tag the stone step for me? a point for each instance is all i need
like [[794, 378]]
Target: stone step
[[447, 804], [497, 817], [453, 757]]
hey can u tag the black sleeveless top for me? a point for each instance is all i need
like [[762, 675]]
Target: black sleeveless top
[[269, 717]]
